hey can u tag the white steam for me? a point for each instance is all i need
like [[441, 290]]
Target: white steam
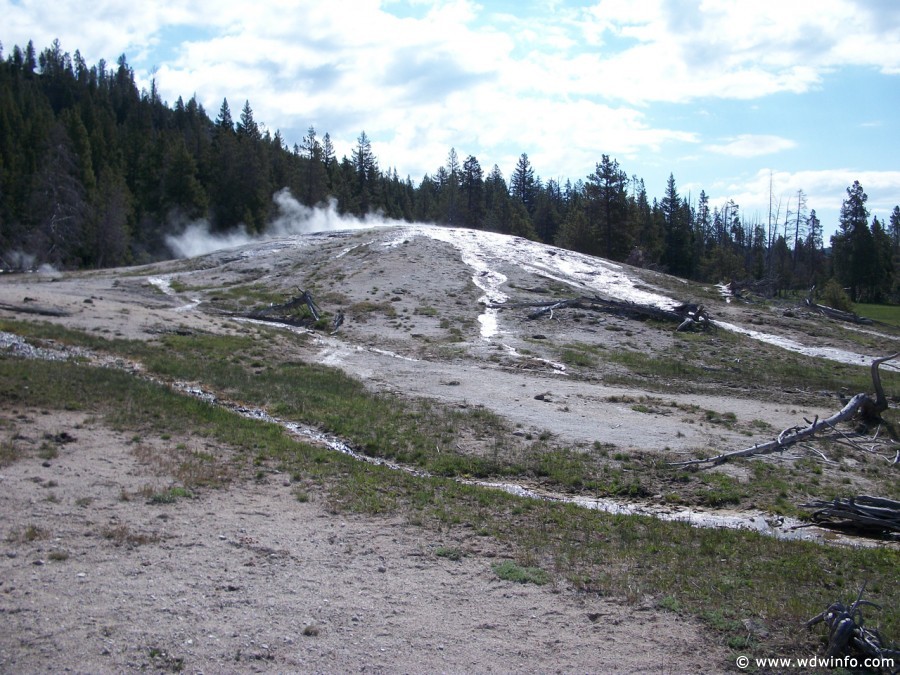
[[19, 261], [293, 218]]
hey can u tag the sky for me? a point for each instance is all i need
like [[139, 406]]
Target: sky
[[747, 100]]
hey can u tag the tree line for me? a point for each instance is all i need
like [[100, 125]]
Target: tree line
[[96, 173]]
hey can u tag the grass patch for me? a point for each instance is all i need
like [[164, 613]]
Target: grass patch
[[889, 314], [451, 553], [510, 571], [122, 535], [169, 496]]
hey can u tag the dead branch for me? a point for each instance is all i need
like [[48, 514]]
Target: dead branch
[[860, 405]]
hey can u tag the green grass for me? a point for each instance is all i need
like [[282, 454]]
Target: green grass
[[170, 496], [889, 314], [451, 553], [704, 362], [510, 571]]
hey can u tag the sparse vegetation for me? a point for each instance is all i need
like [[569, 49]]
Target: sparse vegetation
[[451, 553], [632, 558], [121, 534], [510, 571]]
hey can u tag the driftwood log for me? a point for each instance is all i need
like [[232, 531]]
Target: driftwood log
[[859, 405], [686, 315], [848, 636], [874, 514]]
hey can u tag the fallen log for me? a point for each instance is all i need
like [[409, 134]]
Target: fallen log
[[839, 314], [833, 313], [787, 437], [686, 315], [860, 404], [40, 311], [286, 312], [874, 514]]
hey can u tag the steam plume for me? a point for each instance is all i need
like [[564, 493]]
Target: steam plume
[[293, 218]]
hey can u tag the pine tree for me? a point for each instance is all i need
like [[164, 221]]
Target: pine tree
[[365, 167], [472, 188], [678, 253], [224, 120], [894, 228], [852, 246], [522, 184], [450, 194], [247, 127], [59, 207], [882, 266], [606, 208]]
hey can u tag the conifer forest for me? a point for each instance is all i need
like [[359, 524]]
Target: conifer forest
[[95, 172]]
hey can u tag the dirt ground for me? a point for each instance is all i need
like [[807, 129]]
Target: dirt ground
[[93, 578], [249, 579]]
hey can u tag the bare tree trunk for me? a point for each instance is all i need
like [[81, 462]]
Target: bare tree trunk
[[861, 404]]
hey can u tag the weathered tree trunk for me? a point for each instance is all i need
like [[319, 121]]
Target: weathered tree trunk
[[860, 404]]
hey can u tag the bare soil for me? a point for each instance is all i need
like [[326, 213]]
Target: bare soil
[[97, 577]]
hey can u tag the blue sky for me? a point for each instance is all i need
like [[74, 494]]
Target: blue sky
[[731, 97]]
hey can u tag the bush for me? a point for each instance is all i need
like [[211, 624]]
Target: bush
[[835, 296]]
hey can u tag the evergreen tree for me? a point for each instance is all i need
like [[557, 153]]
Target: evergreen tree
[[365, 168], [247, 127], [606, 207], [472, 189], [315, 188], [522, 184], [224, 120], [450, 193], [548, 211], [649, 227], [678, 253], [882, 264], [853, 249], [58, 204], [894, 228], [111, 227]]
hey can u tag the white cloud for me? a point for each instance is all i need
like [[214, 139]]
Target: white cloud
[[825, 190], [752, 145], [565, 85]]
